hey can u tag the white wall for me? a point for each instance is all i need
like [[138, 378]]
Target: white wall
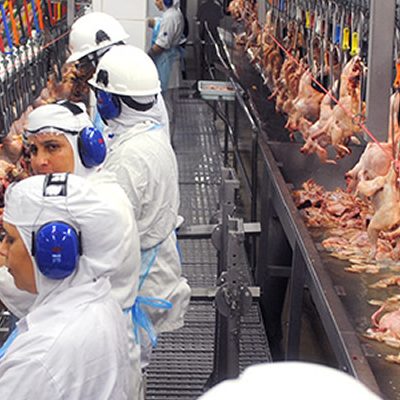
[[132, 14]]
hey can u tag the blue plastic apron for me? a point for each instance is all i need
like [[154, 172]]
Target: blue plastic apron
[[8, 342], [140, 317], [164, 63]]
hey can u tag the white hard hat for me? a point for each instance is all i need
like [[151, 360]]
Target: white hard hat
[[93, 32], [128, 71], [291, 380]]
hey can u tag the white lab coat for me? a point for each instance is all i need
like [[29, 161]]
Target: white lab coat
[[146, 168], [169, 38], [60, 352]]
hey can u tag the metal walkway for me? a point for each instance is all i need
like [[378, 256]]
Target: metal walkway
[[183, 360]]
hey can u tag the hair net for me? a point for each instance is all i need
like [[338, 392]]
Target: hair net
[[291, 380], [58, 119], [101, 225]]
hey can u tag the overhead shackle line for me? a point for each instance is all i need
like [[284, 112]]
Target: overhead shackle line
[[332, 97]]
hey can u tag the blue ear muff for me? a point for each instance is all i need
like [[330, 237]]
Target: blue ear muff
[[108, 105], [168, 3], [92, 147], [56, 247]]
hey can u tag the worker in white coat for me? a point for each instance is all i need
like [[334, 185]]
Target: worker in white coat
[[167, 52], [166, 49], [61, 138], [59, 247], [127, 86], [291, 380], [91, 36]]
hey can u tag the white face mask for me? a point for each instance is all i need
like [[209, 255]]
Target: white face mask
[[130, 117]]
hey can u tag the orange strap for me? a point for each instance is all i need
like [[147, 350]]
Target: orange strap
[[40, 14], [396, 83], [13, 23]]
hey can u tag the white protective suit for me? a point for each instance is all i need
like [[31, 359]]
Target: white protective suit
[[73, 343], [146, 168], [291, 380], [125, 280]]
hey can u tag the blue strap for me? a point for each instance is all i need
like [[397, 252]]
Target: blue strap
[[148, 257], [6, 28], [156, 30], [98, 122], [140, 317], [8, 342], [35, 20]]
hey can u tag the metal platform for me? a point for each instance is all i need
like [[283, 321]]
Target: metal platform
[[183, 360]]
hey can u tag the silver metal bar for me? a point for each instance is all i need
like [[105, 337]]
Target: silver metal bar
[[210, 292], [205, 231], [70, 12], [261, 13], [380, 64]]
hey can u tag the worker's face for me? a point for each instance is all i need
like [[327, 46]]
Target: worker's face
[[160, 4], [50, 153], [17, 259]]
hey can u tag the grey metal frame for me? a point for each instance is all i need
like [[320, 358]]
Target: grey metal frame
[[307, 268], [380, 66]]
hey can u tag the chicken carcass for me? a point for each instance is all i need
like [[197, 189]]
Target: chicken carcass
[[393, 280], [375, 161], [376, 158], [73, 85], [236, 7], [385, 196], [337, 126], [306, 105], [386, 322]]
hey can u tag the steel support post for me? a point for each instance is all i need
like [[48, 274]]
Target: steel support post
[[261, 12], [296, 293], [265, 219], [380, 66], [226, 135], [70, 12], [235, 131]]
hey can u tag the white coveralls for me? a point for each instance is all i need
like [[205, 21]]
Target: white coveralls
[[73, 343], [146, 168], [125, 279]]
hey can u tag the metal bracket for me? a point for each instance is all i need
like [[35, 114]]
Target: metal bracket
[[207, 231]]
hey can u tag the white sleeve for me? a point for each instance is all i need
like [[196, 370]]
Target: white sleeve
[[22, 379], [132, 178], [166, 33], [17, 301]]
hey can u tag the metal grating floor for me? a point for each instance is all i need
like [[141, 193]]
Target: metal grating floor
[[183, 360]]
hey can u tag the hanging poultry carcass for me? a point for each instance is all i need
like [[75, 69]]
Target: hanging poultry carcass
[[306, 106], [376, 158], [236, 7], [385, 197], [338, 126]]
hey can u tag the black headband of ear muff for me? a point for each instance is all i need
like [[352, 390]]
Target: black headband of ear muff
[[137, 106]]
